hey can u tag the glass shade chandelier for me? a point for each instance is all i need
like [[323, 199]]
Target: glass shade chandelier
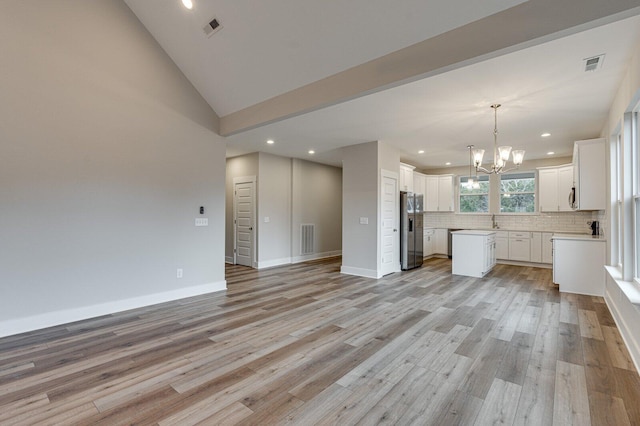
[[500, 153]]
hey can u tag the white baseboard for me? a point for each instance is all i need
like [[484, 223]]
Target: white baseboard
[[625, 314], [274, 262], [316, 256], [50, 319], [228, 259], [360, 272]]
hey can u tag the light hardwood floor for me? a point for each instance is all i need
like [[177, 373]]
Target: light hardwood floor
[[306, 345]]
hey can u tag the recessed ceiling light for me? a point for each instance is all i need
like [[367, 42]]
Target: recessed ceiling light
[[550, 153], [448, 163], [270, 141], [311, 152], [188, 4], [421, 151], [545, 135]]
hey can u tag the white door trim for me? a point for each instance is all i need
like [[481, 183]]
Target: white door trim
[[240, 180], [396, 241]]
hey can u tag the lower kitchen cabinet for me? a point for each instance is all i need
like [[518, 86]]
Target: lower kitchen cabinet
[[428, 242], [442, 241], [578, 264], [547, 247], [520, 246], [535, 254], [502, 245]]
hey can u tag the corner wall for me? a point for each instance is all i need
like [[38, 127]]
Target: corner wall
[[108, 153]]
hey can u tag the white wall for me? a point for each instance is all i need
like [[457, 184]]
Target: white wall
[[107, 154]]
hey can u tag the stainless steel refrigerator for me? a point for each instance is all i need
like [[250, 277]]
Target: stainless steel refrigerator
[[411, 230]]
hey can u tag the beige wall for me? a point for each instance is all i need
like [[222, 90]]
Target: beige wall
[[242, 166], [107, 154], [317, 199]]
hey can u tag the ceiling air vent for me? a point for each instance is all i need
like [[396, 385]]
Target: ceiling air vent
[[212, 27], [594, 63]]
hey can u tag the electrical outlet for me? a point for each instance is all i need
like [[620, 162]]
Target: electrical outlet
[[179, 273]]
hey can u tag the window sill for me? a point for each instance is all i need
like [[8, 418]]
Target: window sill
[[629, 288]]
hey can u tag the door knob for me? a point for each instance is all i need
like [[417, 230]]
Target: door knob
[[395, 230]]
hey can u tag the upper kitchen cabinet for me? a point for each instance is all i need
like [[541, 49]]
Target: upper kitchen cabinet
[[554, 185], [418, 183], [589, 174], [406, 177], [439, 193]]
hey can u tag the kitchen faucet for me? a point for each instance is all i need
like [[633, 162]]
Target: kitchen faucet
[[494, 223]]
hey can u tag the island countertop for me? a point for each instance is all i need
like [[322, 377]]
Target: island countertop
[[473, 232]]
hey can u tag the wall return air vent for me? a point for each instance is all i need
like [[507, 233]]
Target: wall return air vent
[[593, 63], [212, 27]]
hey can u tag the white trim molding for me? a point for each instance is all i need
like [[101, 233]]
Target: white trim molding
[[275, 262], [50, 319], [360, 272], [625, 312], [316, 256]]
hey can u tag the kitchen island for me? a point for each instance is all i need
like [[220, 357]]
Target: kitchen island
[[474, 252]]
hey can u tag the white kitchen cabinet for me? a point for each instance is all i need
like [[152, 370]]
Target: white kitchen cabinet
[[578, 264], [554, 185], [565, 183], [502, 245], [406, 177], [589, 174], [535, 254], [442, 241], [547, 247], [474, 253], [520, 246], [439, 193], [431, 193], [418, 183], [428, 242]]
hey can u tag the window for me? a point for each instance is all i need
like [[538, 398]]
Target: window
[[518, 193], [617, 207], [635, 146], [475, 199]]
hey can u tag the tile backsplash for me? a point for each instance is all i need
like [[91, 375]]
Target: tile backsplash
[[549, 222]]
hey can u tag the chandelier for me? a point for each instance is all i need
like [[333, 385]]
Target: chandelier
[[500, 153], [471, 184]]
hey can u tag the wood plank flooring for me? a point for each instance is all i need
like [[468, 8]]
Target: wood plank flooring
[[306, 345]]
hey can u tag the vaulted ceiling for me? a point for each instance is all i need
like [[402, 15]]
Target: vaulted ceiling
[[416, 74]]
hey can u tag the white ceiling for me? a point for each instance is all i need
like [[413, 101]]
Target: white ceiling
[[267, 48]]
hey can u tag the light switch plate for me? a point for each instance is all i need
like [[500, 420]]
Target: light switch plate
[[267, 219], [202, 221], [364, 221]]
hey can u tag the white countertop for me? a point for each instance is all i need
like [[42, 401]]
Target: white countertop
[[473, 232], [584, 237]]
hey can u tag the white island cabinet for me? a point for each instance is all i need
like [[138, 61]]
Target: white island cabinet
[[578, 263], [474, 253]]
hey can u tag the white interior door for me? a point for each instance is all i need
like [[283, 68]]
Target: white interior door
[[244, 222], [389, 223]]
